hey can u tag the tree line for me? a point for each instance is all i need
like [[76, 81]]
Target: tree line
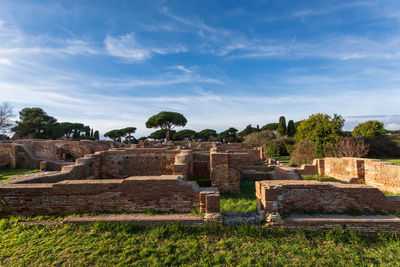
[[318, 136], [36, 123]]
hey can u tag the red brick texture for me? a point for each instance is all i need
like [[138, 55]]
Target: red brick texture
[[133, 194], [225, 169], [122, 163], [286, 196]]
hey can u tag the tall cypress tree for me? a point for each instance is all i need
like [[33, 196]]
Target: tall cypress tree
[[282, 126], [291, 129]]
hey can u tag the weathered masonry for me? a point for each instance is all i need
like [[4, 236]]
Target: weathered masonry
[[331, 197], [133, 194], [383, 175]]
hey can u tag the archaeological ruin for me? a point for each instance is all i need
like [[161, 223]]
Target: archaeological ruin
[[105, 176]]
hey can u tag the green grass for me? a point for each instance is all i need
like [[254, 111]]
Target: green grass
[[108, 244], [7, 174], [321, 178], [387, 193], [243, 202], [284, 159], [395, 161]]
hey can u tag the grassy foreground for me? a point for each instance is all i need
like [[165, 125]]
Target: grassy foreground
[[7, 174], [124, 244]]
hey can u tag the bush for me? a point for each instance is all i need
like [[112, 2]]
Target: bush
[[259, 138], [369, 129], [303, 153], [274, 145], [347, 147], [383, 147], [320, 129]]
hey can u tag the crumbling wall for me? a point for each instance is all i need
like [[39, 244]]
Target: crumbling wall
[[14, 155], [289, 196], [133, 194], [118, 164], [7, 156], [137, 162], [65, 150]]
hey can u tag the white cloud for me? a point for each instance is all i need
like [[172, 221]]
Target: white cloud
[[128, 48], [182, 68]]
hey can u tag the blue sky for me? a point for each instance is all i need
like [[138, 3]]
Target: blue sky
[[113, 64]]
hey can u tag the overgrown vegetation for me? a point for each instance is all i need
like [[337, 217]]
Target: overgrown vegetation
[[109, 244], [7, 174]]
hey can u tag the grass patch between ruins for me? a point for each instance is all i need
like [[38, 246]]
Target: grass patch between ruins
[[7, 174], [395, 161], [284, 159], [110, 244], [243, 202]]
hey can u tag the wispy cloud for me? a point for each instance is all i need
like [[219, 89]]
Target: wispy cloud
[[129, 49], [182, 68]]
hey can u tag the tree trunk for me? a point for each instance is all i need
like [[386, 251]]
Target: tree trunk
[[167, 135]]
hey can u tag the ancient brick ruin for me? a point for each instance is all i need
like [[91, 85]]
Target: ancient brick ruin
[[93, 176], [115, 178], [329, 197]]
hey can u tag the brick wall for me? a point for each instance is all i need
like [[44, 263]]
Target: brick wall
[[7, 156], [383, 175], [225, 169], [137, 162], [286, 196], [128, 195], [117, 164], [65, 150]]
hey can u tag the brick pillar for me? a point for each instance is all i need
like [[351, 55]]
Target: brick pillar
[[209, 202], [219, 170], [361, 171], [321, 166]]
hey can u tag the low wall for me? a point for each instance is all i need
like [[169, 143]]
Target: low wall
[[122, 163], [133, 194], [383, 175], [287, 196]]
